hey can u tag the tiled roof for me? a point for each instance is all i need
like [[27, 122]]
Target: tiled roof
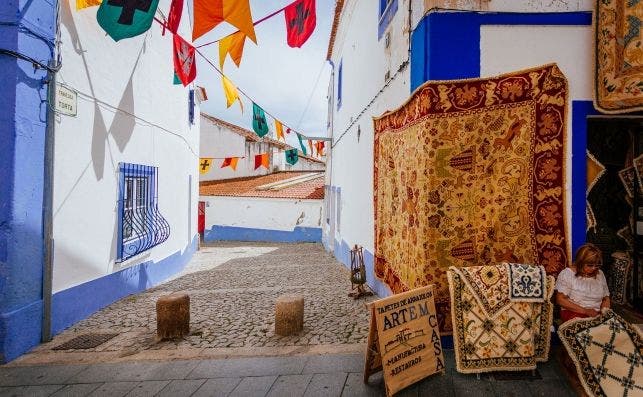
[[252, 137], [333, 32], [247, 186]]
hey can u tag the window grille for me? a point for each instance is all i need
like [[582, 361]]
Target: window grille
[[141, 225]]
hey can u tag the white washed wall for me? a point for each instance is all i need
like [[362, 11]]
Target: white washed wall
[[512, 5], [261, 213], [365, 61], [128, 111]]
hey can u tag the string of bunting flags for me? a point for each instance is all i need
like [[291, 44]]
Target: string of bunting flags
[[123, 19]]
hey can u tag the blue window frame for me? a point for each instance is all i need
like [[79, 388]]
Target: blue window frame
[[140, 224], [339, 85], [388, 8], [191, 106]]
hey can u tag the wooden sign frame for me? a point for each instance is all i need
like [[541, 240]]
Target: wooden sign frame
[[404, 339]]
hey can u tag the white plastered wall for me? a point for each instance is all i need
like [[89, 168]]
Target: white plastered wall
[[128, 111], [261, 213], [365, 61]]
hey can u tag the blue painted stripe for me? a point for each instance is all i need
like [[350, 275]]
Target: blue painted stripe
[[446, 45], [580, 111], [79, 302], [20, 330], [233, 233]]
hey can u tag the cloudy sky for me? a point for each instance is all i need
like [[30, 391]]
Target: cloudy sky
[[289, 83]]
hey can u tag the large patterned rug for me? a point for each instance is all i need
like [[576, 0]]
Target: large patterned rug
[[619, 55], [501, 322], [607, 353], [470, 172]]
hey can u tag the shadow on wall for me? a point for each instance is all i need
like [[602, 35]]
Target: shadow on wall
[[123, 123]]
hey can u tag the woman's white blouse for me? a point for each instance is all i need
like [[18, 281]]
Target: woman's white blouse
[[587, 292]]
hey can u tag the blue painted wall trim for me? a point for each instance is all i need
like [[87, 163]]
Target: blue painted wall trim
[[446, 45], [234, 233], [28, 28], [580, 111], [79, 302]]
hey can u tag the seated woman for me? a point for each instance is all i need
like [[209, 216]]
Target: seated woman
[[581, 290]]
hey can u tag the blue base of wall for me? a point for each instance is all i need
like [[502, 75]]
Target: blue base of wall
[[342, 254], [233, 233], [20, 331], [76, 303]]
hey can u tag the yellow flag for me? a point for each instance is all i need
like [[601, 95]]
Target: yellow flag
[[80, 4], [280, 130], [231, 93], [210, 13], [204, 164], [233, 45]]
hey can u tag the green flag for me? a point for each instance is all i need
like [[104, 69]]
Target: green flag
[[291, 156], [126, 18], [259, 123], [177, 80], [301, 142]]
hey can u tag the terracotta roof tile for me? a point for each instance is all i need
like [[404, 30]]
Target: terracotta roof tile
[[247, 186], [333, 32]]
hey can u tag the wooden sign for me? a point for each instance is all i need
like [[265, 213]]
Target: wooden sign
[[404, 339]]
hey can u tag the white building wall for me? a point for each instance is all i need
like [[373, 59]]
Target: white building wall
[[365, 62], [128, 111], [512, 5], [262, 213]]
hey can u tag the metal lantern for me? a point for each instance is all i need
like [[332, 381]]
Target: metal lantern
[[358, 273]]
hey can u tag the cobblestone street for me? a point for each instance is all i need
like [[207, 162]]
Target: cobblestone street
[[232, 289]]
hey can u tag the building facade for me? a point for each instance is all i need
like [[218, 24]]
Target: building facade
[[108, 207], [382, 51]]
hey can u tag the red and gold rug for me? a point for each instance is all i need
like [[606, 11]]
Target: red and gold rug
[[471, 172], [619, 56]]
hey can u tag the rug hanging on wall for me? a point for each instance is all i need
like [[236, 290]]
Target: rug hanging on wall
[[607, 353], [501, 315], [470, 172], [619, 56]]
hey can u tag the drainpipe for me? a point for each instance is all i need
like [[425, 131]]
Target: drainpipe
[[329, 163], [48, 191]]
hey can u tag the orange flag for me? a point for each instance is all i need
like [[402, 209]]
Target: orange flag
[[310, 146], [210, 13], [231, 93], [319, 145], [80, 4], [280, 130], [230, 162], [262, 159], [231, 44]]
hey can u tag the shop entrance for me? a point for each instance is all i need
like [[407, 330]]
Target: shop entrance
[[614, 205]]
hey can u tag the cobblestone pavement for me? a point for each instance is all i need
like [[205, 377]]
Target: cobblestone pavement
[[232, 289]]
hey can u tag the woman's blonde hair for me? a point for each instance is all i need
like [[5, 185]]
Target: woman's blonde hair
[[587, 253]]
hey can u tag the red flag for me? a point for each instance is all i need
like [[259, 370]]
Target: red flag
[[300, 21], [230, 162], [262, 159], [174, 18], [184, 65], [319, 145]]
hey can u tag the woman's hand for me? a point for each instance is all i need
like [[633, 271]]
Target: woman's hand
[[591, 312]]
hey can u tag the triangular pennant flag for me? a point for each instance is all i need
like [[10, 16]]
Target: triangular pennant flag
[[280, 130], [184, 65], [174, 17], [262, 160], [204, 164], [80, 4], [310, 146], [319, 145], [231, 93], [301, 143], [230, 162], [300, 21], [210, 13], [231, 44], [126, 18], [291, 156], [259, 123]]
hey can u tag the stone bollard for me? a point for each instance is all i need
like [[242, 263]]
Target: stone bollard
[[173, 316], [289, 314]]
